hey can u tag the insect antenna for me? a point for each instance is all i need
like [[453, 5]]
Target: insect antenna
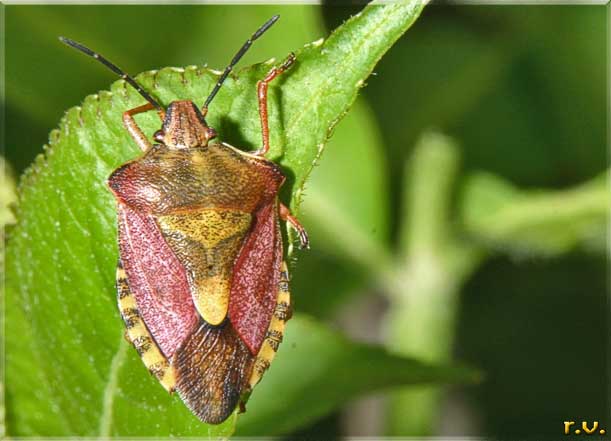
[[114, 68], [268, 24]]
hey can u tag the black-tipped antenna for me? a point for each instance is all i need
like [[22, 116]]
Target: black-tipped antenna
[[112, 67], [268, 24]]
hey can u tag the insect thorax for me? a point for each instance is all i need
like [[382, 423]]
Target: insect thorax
[[165, 181]]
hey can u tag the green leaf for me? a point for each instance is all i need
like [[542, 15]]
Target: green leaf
[[348, 196], [8, 197], [345, 211], [317, 370], [8, 193], [536, 222], [68, 367]]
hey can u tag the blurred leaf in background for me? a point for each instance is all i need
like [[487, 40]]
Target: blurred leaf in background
[[521, 90]]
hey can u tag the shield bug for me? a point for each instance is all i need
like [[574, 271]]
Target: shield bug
[[202, 285]]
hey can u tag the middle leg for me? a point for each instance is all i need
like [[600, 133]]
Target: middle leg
[[285, 215]]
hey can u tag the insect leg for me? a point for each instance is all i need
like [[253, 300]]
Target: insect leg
[[138, 334], [132, 127], [275, 332], [262, 97], [285, 215]]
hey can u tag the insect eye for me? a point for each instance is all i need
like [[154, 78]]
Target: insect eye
[[211, 133], [158, 136]]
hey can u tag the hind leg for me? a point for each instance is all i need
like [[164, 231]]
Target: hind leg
[[138, 334]]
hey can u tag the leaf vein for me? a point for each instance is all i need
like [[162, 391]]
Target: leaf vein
[[111, 389]]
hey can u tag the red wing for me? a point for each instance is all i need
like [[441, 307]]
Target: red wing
[[254, 285], [157, 280]]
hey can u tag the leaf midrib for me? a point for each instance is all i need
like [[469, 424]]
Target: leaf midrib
[[106, 417]]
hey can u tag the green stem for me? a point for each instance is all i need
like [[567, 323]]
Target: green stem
[[531, 222], [420, 321], [435, 264]]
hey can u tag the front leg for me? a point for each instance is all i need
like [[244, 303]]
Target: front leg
[[262, 97], [134, 130]]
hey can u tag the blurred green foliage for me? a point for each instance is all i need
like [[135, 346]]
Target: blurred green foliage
[[522, 90], [521, 93]]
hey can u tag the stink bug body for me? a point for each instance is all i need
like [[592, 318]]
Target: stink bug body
[[202, 285]]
